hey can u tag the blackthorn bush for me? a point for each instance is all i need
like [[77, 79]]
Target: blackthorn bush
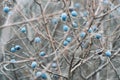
[[60, 40]]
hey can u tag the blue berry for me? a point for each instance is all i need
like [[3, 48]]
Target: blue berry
[[10, 13], [82, 34], [6, 9], [90, 30], [69, 39], [71, 9], [13, 49], [17, 47], [74, 13], [65, 43], [105, 2], [54, 21], [75, 25], [83, 45], [77, 5], [43, 76], [42, 53], [34, 64], [98, 36], [23, 29], [12, 61], [65, 28], [108, 53], [64, 16], [85, 13], [38, 74], [54, 65], [37, 40], [55, 76], [94, 27]]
